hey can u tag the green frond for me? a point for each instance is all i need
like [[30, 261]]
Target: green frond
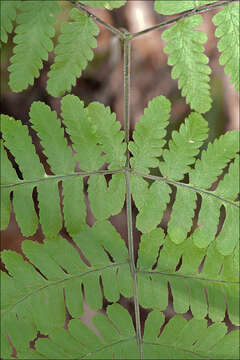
[[104, 4], [214, 159], [182, 339], [73, 52], [86, 129], [35, 300], [161, 262], [188, 61], [184, 147], [33, 41], [8, 15], [149, 135], [227, 22]]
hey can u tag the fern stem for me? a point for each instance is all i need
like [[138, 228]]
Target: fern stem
[[189, 186], [127, 54], [127, 63], [62, 177], [201, 9], [98, 20], [132, 262]]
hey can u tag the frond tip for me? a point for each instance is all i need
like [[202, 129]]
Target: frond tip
[[188, 61], [73, 52], [33, 38]]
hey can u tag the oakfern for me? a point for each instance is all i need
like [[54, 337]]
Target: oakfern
[[187, 215]]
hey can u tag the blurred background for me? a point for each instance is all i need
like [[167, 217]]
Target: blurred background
[[102, 81]]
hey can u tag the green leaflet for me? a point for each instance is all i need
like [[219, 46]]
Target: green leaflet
[[33, 38], [188, 61], [183, 147], [158, 259], [211, 163], [112, 196], [227, 22], [104, 4], [8, 15], [149, 135], [73, 52], [177, 6]]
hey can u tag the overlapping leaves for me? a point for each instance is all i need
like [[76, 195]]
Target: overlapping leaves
[[187, 246]]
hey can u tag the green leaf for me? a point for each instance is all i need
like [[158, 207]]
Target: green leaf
[[112, 196], [150, 201], [33, 38], [149, 135], [177, 6], [110, 137], [104, 4], [214, 159], [73, 52], [188, 61], [227, 22], [8, 15], [183, 147]]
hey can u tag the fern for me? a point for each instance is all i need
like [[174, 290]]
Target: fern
[[65, 272], [34, 33], [187, 202], [189, 62], [72, 53], [227, 21]]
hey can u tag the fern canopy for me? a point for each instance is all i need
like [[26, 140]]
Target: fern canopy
[[73, 52], [33, 38], [227, 22], [188, 61]]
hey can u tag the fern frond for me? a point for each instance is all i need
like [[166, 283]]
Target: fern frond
[[73, 51], [187, 339], [189, 62], [33, 39], [8, 15], [227, 22], [178, 266], [214, 159], [86, 129], [149, 135], [63, 272], [183, 147], [104, 4]]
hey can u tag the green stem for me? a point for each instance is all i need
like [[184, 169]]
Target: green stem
[[100, 21], [127, 53], [188, 186], [62, 177]]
